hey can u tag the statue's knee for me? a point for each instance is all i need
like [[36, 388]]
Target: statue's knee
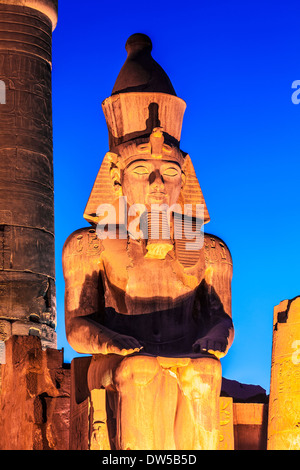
[[139, 370], [201, 378], [209, 368]]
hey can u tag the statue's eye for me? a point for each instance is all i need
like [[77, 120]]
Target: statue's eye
[[141, 170], [171, 172]]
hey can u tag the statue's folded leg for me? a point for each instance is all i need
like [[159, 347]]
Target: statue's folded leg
[[137, 383], [197, 417], [158, 406]]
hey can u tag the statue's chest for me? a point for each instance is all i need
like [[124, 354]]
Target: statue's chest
[[157, 278], [141, 285]]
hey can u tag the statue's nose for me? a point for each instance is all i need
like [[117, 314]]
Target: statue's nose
[[156, 178]]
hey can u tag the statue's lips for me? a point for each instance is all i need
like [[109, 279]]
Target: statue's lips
[[158, 195]]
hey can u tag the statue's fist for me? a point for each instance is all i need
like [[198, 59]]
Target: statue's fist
[[216, 346], [123, 345]]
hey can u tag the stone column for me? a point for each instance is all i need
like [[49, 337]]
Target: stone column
[[27, 268], [284, 406]]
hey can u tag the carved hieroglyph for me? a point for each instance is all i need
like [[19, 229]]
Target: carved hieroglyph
[[154, 311], [226, 436], [284, 407], [27, 271]]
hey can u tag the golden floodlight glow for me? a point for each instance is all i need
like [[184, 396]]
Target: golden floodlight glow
[[284, 405]]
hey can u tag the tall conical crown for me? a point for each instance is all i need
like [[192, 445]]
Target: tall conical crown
[[143, 98], [141, 72]]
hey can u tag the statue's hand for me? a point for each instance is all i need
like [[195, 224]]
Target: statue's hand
[[212, 345], [123, 345]]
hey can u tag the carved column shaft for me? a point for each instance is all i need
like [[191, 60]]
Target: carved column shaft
[[27, 268], [284, 406]]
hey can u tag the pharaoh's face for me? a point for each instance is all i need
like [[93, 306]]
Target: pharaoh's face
[[152, 182]]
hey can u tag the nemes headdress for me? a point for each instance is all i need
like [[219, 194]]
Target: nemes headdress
[[144, 119]]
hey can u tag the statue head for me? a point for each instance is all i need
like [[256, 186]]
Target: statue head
[[148, 172]]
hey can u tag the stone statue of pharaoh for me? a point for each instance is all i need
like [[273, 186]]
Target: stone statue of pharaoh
[[151, 307]]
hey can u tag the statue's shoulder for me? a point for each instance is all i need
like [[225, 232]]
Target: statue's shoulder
[[83, 241], [215, 250]]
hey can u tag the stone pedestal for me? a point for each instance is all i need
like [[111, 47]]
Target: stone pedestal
[[79, 405], [250, 422], [284, 409], [27, 271]]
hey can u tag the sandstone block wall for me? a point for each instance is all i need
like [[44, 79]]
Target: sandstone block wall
[[34, 397]]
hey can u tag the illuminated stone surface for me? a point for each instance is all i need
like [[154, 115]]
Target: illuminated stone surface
[[284, 407], [250, 422], [243, 414], [34, 397], [155, 312], [226, 436], [35, 403], [27, 271]]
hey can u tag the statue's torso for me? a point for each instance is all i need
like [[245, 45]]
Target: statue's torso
[[160, 302], [150, 299]]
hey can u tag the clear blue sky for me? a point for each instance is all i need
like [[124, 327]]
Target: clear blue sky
[[233, 62]]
